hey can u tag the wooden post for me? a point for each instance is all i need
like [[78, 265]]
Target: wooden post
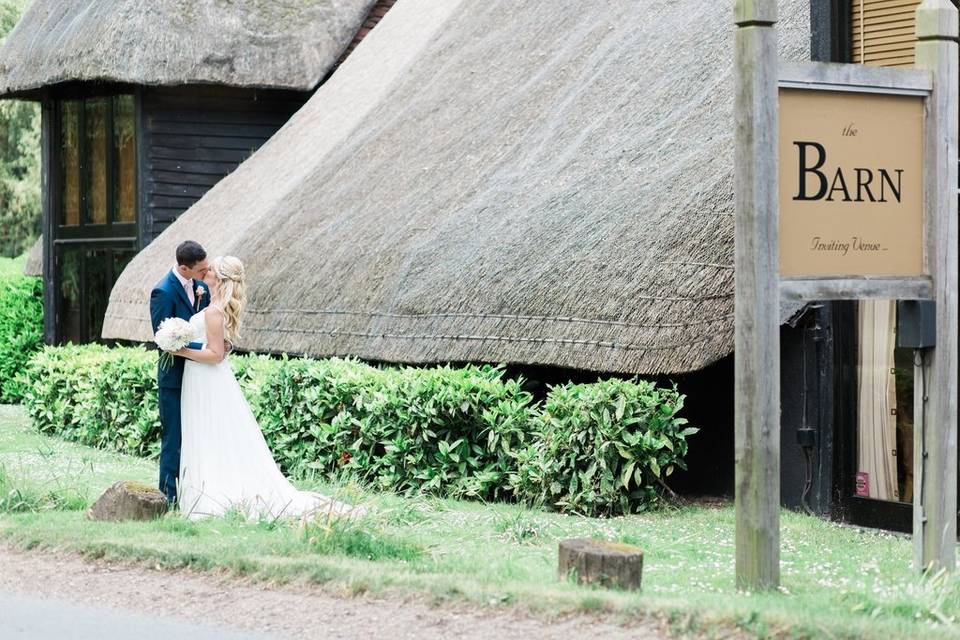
[[48, 183], [609, 564], [757, 344], [935, 504]]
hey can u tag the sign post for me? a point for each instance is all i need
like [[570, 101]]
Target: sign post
[[846, 188], [757, 302], [935, 506]]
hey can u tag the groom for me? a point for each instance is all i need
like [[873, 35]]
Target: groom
[[180, 294]]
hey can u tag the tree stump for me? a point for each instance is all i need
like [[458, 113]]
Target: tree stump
[[609, 564], [127, 500]]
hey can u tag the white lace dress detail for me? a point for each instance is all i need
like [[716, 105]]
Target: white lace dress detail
[[224, 460]]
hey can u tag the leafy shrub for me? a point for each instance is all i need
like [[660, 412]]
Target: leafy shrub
[[96, 396], [601, 448], [50, 399], [296, 400], [459, 432], [21, 331], [100, 396], [441, 430], [446, 431]]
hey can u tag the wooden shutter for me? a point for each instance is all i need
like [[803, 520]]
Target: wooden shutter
[[883, 32]]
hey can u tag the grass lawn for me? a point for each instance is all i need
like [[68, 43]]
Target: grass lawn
[[837, 582], [12, 266]]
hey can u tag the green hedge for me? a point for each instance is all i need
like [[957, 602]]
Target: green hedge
[[443, 430], [100, 396], [602, 448], [21, 331], [459, 432]]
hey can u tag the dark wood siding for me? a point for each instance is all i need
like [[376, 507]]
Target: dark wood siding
[[377, 11], [191, 137]]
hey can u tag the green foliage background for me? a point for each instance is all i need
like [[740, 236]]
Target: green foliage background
[[21, 325], [21, 331], [19, 159]]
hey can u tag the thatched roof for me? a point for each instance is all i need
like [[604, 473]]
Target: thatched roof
[[289, 44], [547, 181], [34, 263]]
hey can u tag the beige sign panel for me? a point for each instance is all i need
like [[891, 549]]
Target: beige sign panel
[[851, 184]]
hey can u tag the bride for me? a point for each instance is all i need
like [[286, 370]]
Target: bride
[[224, 460]]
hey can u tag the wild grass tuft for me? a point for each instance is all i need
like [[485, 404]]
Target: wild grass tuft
[[357, 538], [519, 527], [18, 498]]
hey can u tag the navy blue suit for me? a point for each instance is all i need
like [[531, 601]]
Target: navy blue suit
[[169, 300]]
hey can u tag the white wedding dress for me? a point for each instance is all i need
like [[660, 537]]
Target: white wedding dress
[[224, 460]]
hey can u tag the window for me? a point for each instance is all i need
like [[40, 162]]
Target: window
[[85, 277], [884, 408], [98, 172], [124, 160], [70, 163], [94, 199]]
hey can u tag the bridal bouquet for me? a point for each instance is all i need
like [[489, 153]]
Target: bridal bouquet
[[172, 335]]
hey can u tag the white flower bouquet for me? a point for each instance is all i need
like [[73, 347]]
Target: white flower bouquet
[[172, 335]]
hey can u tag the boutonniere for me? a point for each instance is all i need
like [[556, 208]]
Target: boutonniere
[[200, 292]]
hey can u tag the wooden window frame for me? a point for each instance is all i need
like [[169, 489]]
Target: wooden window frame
[[112, 229], [59, 237], [83, 298]]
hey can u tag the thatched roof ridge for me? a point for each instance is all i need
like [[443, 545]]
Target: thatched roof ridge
[[288, 44], [547, 181]]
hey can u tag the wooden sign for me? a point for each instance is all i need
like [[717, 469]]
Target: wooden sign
[[851, 184]]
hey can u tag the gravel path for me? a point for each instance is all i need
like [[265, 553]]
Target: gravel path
[[277, 612]]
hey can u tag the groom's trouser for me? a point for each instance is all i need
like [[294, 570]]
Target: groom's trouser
[[169, 401]]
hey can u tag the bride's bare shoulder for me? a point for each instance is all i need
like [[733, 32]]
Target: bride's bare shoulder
[[213, 311]]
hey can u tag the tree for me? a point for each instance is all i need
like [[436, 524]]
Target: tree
[[19, 159]]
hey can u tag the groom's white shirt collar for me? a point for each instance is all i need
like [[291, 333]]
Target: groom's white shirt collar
[[184, 282]]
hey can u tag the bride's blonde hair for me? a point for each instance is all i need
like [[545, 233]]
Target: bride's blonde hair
[[232, 290]]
